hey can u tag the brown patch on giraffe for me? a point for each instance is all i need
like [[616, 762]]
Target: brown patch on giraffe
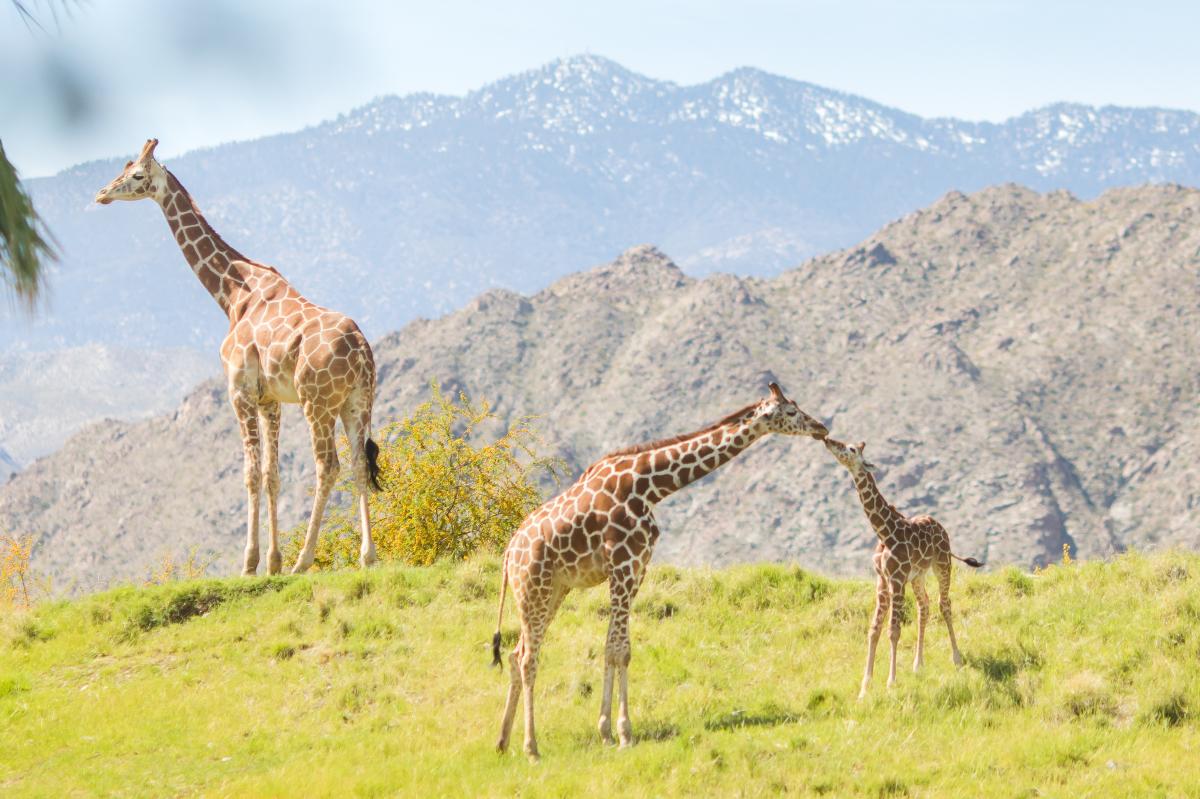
[[579, 539], [603, 502]]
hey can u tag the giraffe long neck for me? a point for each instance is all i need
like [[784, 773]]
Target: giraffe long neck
[[880, 513], [690, 457], [206, 252]]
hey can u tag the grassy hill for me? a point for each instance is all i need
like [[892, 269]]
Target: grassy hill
[[1081, 680]]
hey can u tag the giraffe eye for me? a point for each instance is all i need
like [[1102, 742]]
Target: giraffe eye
[[138, 176]]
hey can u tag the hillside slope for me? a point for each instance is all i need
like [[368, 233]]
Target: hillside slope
[[1079, 681], [1022, 366]]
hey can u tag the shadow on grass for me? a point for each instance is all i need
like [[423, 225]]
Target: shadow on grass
[[643, 732], [739, 719], [1004, 664]]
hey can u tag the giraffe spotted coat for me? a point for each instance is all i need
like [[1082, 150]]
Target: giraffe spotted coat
[[907, 550], [601, 529], [280, 348]]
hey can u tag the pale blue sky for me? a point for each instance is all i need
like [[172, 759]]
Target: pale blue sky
[[201, 73]]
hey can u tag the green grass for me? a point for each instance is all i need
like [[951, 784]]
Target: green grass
[[1080, 681]]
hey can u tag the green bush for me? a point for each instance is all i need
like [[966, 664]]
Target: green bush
[[447, 491]]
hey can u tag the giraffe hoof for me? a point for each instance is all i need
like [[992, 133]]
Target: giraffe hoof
[[625, 733], [501, 746], [605, 730], [533, 756], [274, 562]]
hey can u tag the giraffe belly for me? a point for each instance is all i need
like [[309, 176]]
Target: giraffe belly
[[279, 389]]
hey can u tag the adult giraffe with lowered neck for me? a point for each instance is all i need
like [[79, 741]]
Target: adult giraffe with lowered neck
[[280, 348], [602, 528]]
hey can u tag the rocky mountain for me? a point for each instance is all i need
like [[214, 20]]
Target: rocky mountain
[[8, 466], [410, 206], [1022, 365]]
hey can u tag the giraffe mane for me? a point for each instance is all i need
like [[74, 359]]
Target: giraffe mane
[[175, 185], [637, 449]]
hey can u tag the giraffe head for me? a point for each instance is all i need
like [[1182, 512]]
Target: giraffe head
[[849, 456], [781, 415], [143, 177]]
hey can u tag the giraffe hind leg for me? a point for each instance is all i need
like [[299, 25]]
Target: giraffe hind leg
[[513, 697], [922, 597], [321, 423], [897, 592], [247, 415], [356, 418], [269, 418], [943, 574]]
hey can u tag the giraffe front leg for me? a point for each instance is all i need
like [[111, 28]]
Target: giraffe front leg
[[604, 725], [247, 415], [918, 585], [623, 587], [882, 603], [325, 454], [269, 418], [897, 596]]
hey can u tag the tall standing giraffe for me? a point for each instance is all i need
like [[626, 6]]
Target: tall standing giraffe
[[280, 348], [907, 549], [602, 528]]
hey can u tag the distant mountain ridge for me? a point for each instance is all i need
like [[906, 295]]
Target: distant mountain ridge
[[1022, 366], [410, 206]]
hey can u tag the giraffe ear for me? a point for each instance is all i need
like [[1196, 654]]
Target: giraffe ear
[[776, 391]]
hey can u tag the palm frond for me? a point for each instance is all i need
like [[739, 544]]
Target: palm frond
[[25, 243]]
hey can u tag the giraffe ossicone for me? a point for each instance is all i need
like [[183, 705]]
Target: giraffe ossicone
[[601, 529], [907, 549], [280, 348]]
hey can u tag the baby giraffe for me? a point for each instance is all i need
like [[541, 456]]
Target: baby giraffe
[[907, 549]]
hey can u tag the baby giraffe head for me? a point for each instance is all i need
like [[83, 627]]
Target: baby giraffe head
[[141, 178], [850, 456], [781, 415]]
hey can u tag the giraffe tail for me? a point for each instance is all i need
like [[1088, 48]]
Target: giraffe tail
[[372, 453], [500, 619], [974, 564]]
